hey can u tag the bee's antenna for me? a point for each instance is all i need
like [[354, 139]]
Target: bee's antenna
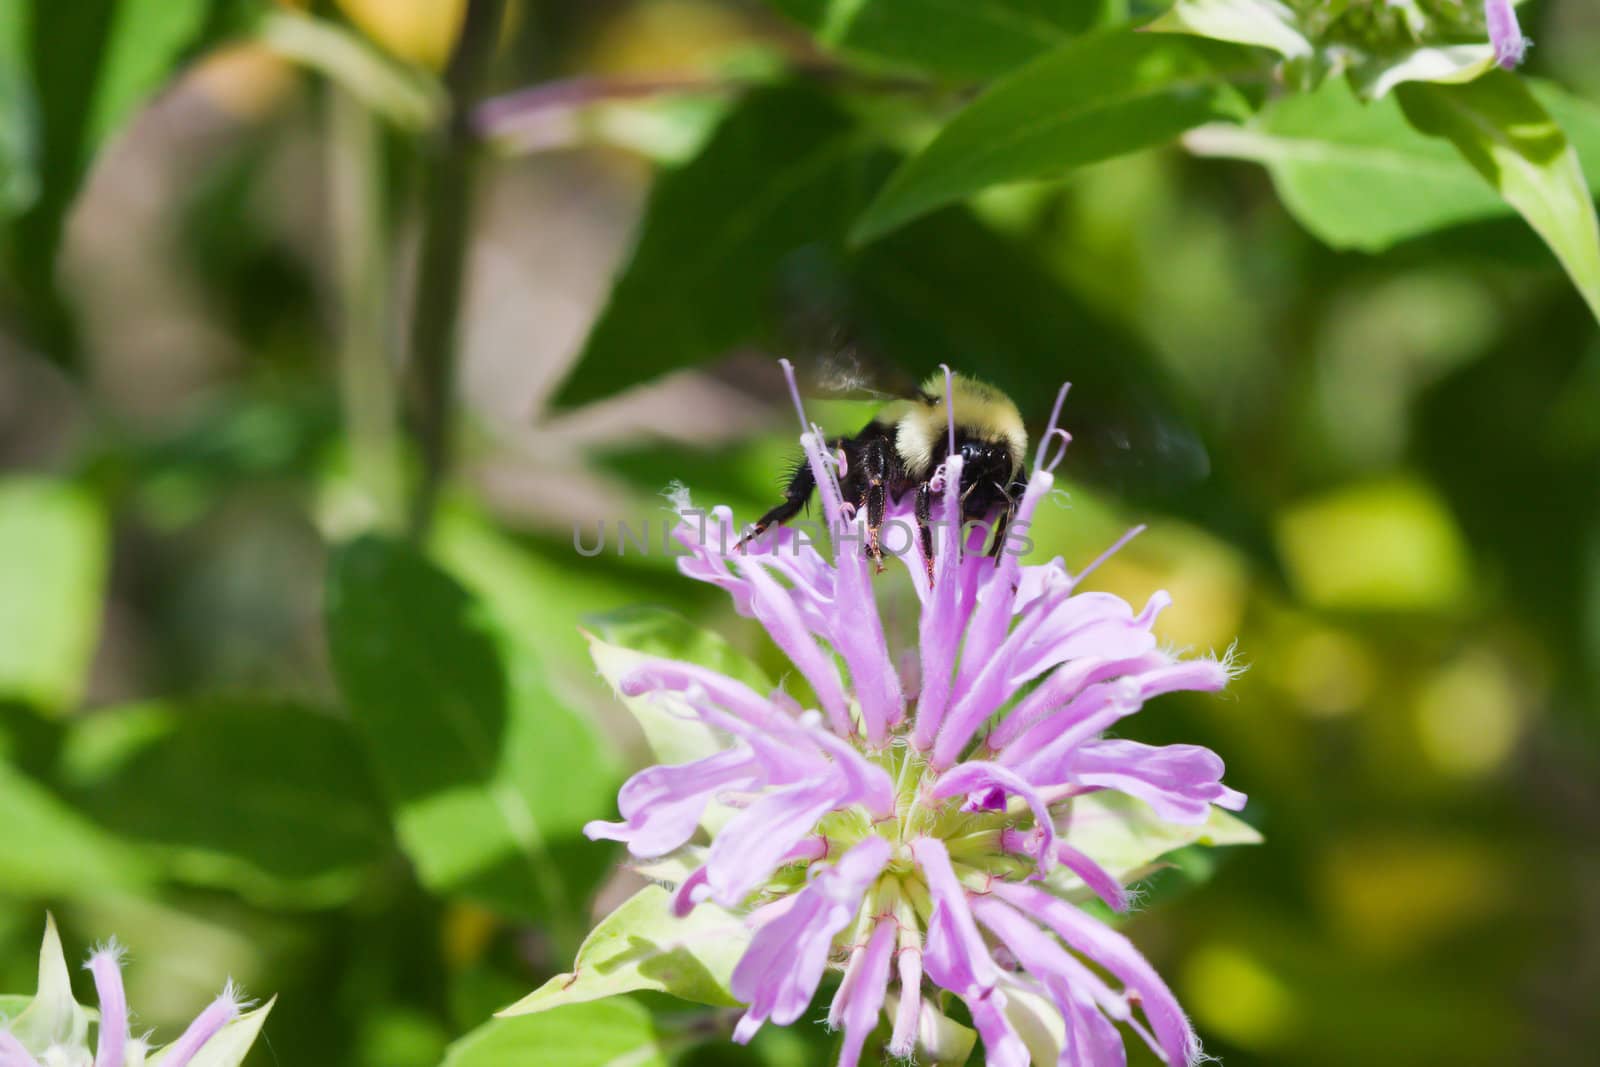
[[949, 407], [794, 394], [1055, 413]]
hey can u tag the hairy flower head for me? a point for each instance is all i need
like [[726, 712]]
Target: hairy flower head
[[911, 821], [52, 1030]]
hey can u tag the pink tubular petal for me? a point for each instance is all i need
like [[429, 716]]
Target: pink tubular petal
[[735, 707], [776, 611], [976, 775], [1096, 877], [1504, 33], [12, 1054], [779, 972], [690, 893], [822, 468], [955, 956], [1064, 976], [857, 635], [943, 615], [1174, 1038], [1043, 754], [662, 806], [1001, 1045], [862, 993], [1058, 692], [746, 852], [111, 1044], [1180, 782], [909, 966], [218, 1013]]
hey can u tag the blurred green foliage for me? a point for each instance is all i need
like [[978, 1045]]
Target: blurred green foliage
[[252, 728]]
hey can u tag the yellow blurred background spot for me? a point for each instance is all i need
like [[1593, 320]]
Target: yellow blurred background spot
[[1235, 996], [1388, 545], [1469, 715], [421, 31], [1391, 894]]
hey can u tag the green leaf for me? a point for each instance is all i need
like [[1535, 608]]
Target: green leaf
[[47, 849], [1355, 174], [1099, 96], [951, 38], [145, 41], [92, 63], [1265, 23], [785, 171], [607, 1033], [1375, 76], [53, 1017], [230, 1045], [643, 946], [489, 777], [19, 177], [1510, 139], [948, 289], [1358, 175], [1123, 835], [52, 578], [292, 816]]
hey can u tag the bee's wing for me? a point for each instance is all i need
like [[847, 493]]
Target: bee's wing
[[840, 375]]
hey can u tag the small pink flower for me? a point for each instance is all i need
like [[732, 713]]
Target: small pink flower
[[909, 832], [52, 1029]]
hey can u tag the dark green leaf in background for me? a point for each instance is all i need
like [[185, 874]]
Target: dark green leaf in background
[[949, 38], [47, 849], [52, 577], [290, 815], [946, 289], [19, 178], [786, 170], [1098, 96], [91, 63], [491, 779], [604, 1033]]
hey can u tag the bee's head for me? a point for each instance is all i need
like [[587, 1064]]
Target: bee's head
[[987, 469]]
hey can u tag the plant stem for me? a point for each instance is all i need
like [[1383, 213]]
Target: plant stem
[[447, 182], [366, 372]]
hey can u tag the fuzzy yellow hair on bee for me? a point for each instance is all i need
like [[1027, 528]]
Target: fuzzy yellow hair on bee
[[982, 413]]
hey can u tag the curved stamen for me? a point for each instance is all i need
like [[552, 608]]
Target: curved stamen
[[1055, 415]]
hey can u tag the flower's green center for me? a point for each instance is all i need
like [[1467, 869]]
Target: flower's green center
[[974, 839]]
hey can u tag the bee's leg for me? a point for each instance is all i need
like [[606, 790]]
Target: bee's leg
[[875, 493], [795, 496], [924, 533], [1002, 522]]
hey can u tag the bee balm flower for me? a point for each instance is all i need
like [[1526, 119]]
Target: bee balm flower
[[53, 1031], [915, 832]]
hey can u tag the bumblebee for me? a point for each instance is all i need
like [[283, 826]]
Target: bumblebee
[[900, 449]]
